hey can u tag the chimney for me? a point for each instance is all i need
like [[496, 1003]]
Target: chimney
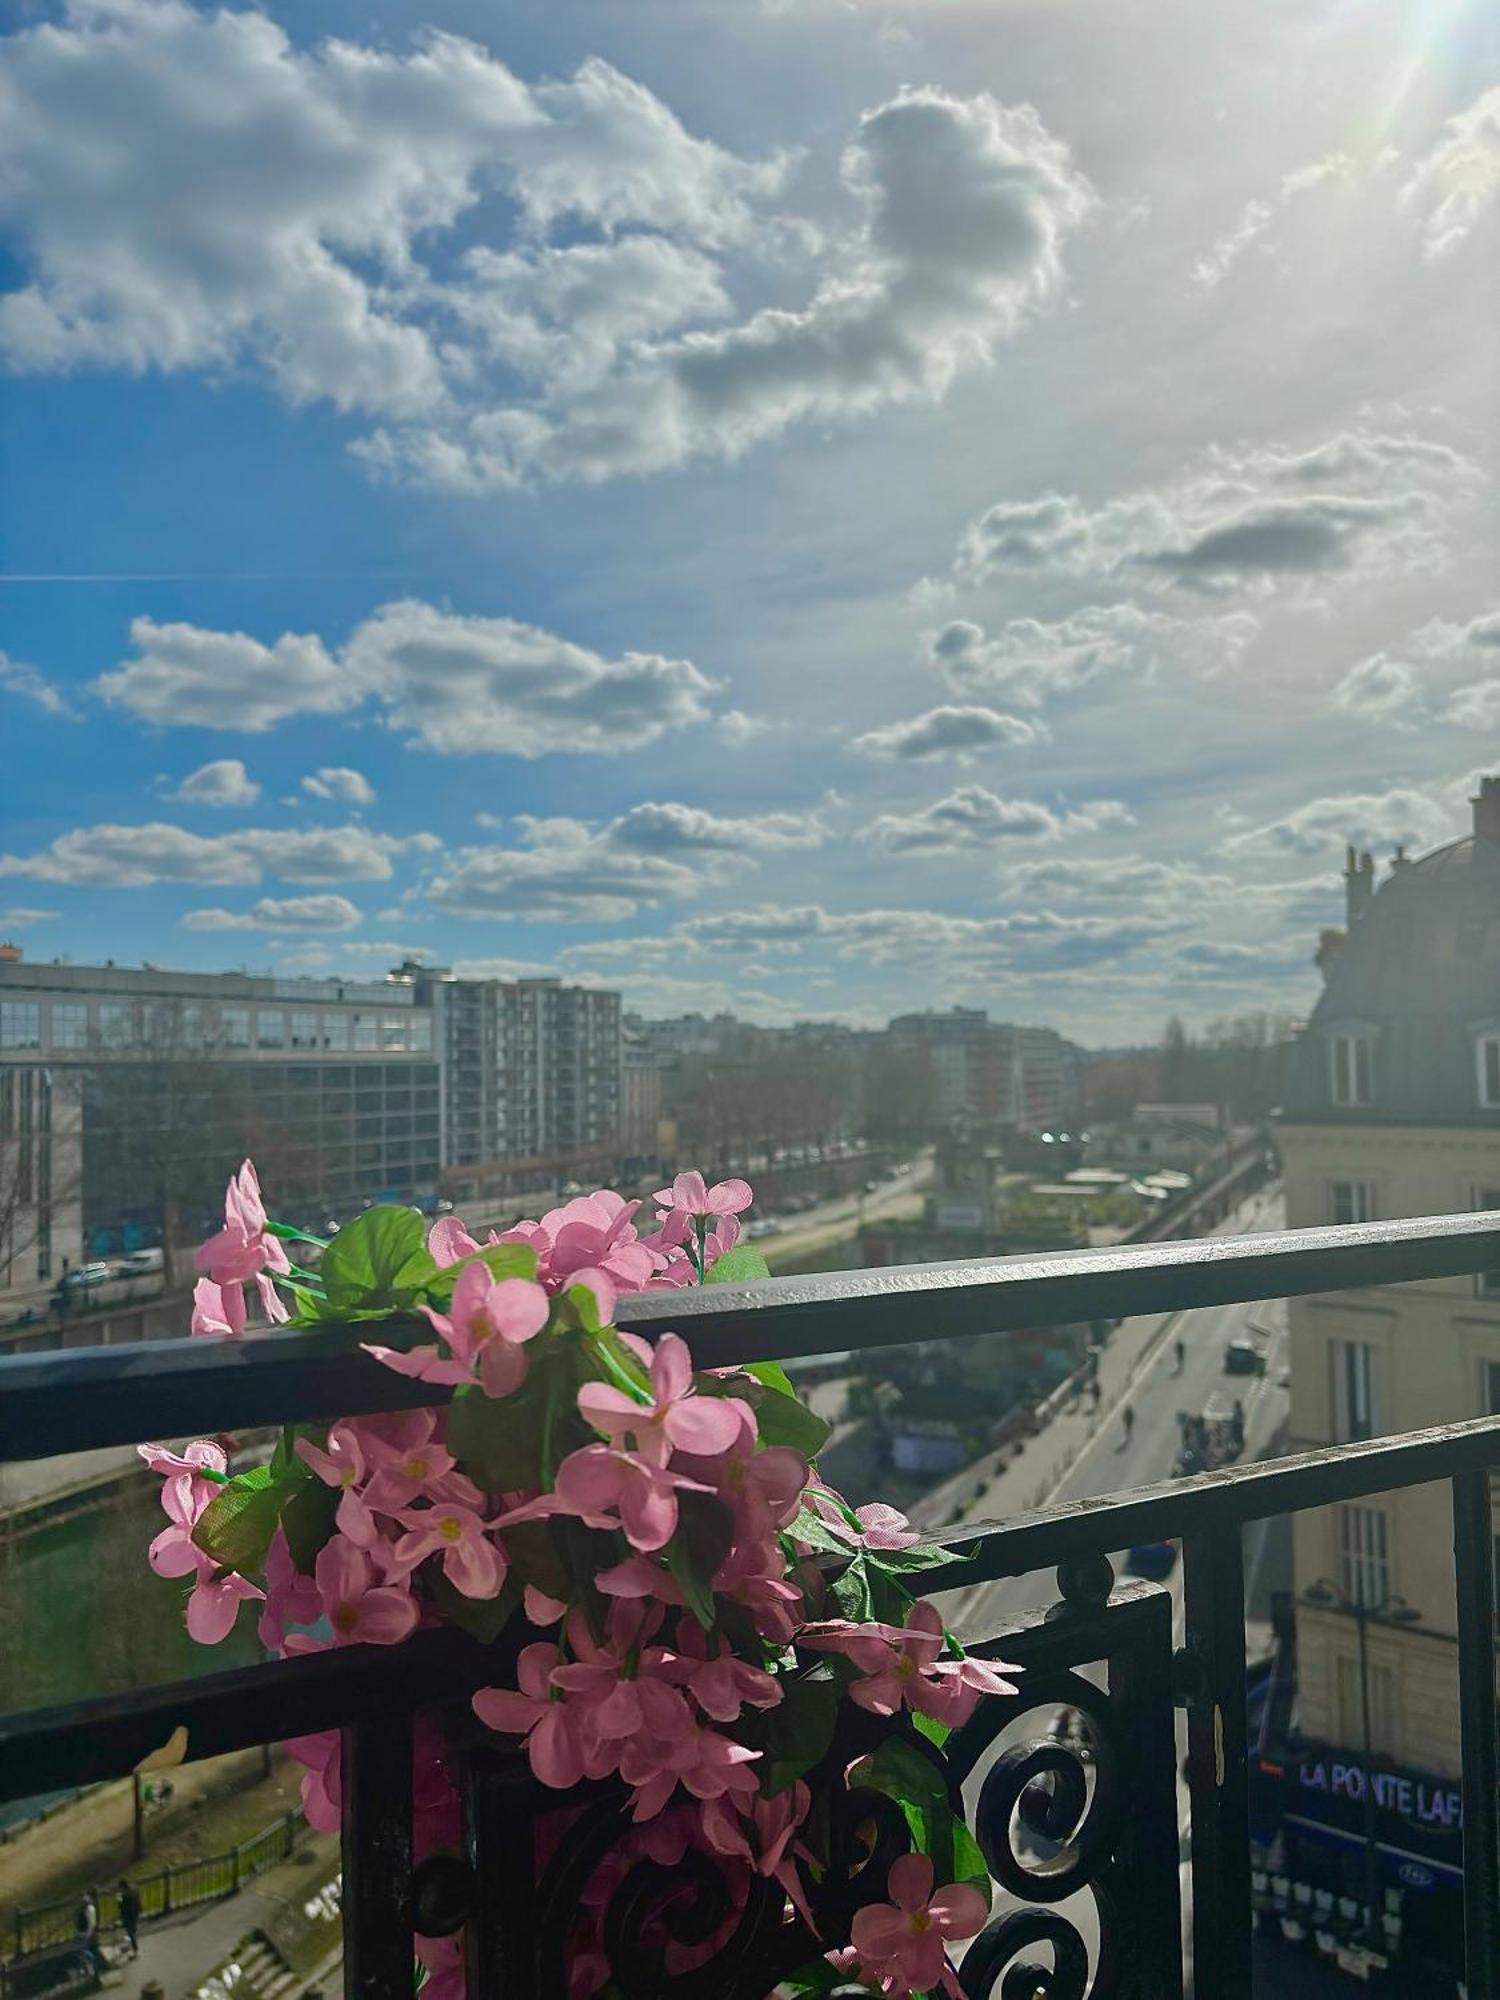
[[1359, 884], [11, 954], [1330, 944], [1487, 810]]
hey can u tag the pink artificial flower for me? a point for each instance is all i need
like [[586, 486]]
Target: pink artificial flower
[[607, 1488], [720, 1682], [361, 1611], [762, 1489], [591, 1232], [215, 1603], [640, 1576], [900, 1943], [703, 1760], [217, 1309], [553, 1741], [291, 1597], [880, 1527], [242, 1250], [322, 1793], [753, 1575], [774, 1823], [691, 1194], [471, 1562], [902, 1665], [448, 1242], [540, 1609], [677, 1418], [216, 1598], [342, 1465], [443, 1960], [485, 1327]]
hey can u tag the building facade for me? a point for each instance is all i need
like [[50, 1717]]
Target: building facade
[[1392, 1108], [153, 1085], [533, 1069]]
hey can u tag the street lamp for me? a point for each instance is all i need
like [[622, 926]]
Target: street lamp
[[1392, 1609]]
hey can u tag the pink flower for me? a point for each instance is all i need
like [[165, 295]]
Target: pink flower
[[448, 1242], [361, 1611], [485, 1327], [774, 1823], [607, 1488], [322, 1795], [900, 1943], [216, 1598], [591, 1232], [553, 1741], [707, 1763], [677, 1418], [215, 1604], [753, 1576], [217, 1309], [342, 1465], [762, 1489], [242, 1250], [693, 1196], [421, 1469], [291, 1597], [880, 1527], [471, 1562], [719, 1682], [901, 1665], [443, 1959]]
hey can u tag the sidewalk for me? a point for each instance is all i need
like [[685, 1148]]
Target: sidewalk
[[180, 1952]]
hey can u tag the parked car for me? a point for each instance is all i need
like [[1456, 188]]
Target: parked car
[[84, 1277], [141, 1263], [1244, 1356]]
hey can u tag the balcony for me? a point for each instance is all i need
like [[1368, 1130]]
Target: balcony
[[1101, 1915]]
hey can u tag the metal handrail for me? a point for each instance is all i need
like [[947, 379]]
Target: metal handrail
[[78, 1399]]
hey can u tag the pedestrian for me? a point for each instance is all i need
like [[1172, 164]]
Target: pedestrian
[[86, 1926], [130, 1914], [1095, 1392], [1127, 1419], [1181, 1355]]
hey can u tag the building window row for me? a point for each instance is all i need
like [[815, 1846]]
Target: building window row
[[127, 1024]]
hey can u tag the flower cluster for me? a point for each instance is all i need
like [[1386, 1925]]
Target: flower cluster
[[690, 1592]]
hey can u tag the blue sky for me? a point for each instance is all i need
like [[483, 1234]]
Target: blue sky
[[816, 508]]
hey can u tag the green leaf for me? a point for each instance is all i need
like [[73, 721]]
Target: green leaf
[[236, 1526], [485, 1617], [904, 1772], [851, 1593], [705, 1534], [617, 1365], [307, 1520], [772, 1374], [814, 1531], [498, 1439], [740, 1266], [929, 1726], [796, 1733], [378, 1262], [922, 1555], [781, 1419]]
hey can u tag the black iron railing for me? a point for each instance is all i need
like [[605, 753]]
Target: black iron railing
[[1113, 1832]]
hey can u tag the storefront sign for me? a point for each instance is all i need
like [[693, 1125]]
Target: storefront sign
[[1420, 1800]]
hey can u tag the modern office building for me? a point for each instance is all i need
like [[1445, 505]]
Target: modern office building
[[154, 1084], [996, 1073], [1392, 1108]]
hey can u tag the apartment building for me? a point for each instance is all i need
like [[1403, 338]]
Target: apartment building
[[128, 1093], [997, 1073], [1392, 1108], [532, 1068]]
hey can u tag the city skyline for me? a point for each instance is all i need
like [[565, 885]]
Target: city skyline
[[806, 510]]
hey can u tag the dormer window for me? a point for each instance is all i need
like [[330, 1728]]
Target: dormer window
[[1351, 1059], [1487, 1055]]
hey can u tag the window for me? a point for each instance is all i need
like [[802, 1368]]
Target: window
[[1487, 1050], [234, 1026], [364, 1031], [1364, 1565], [1487, 1283], [1351, 1061], [270, 1028], [20, 1024], [70, 1024], [335, 1031], [393, 1031], [421, 1033], [304, 1030], [115, 1025], [1354, 1412], [1351, 1201]]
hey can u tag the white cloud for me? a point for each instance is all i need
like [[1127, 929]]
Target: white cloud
[[965, 206], [17, 918], [457, 685], [1381, 689], [1237, 519], [133, 857], [1451, 187], [225, 782], [1400, 815], [461, 685], [338, 781], [17, 677], [973, 816], [1476, 706], [949, 732], [185, 676], [289, 913], [1030, 660], [679, 829], [311, 271], [1213, 266], [1416, 688]]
